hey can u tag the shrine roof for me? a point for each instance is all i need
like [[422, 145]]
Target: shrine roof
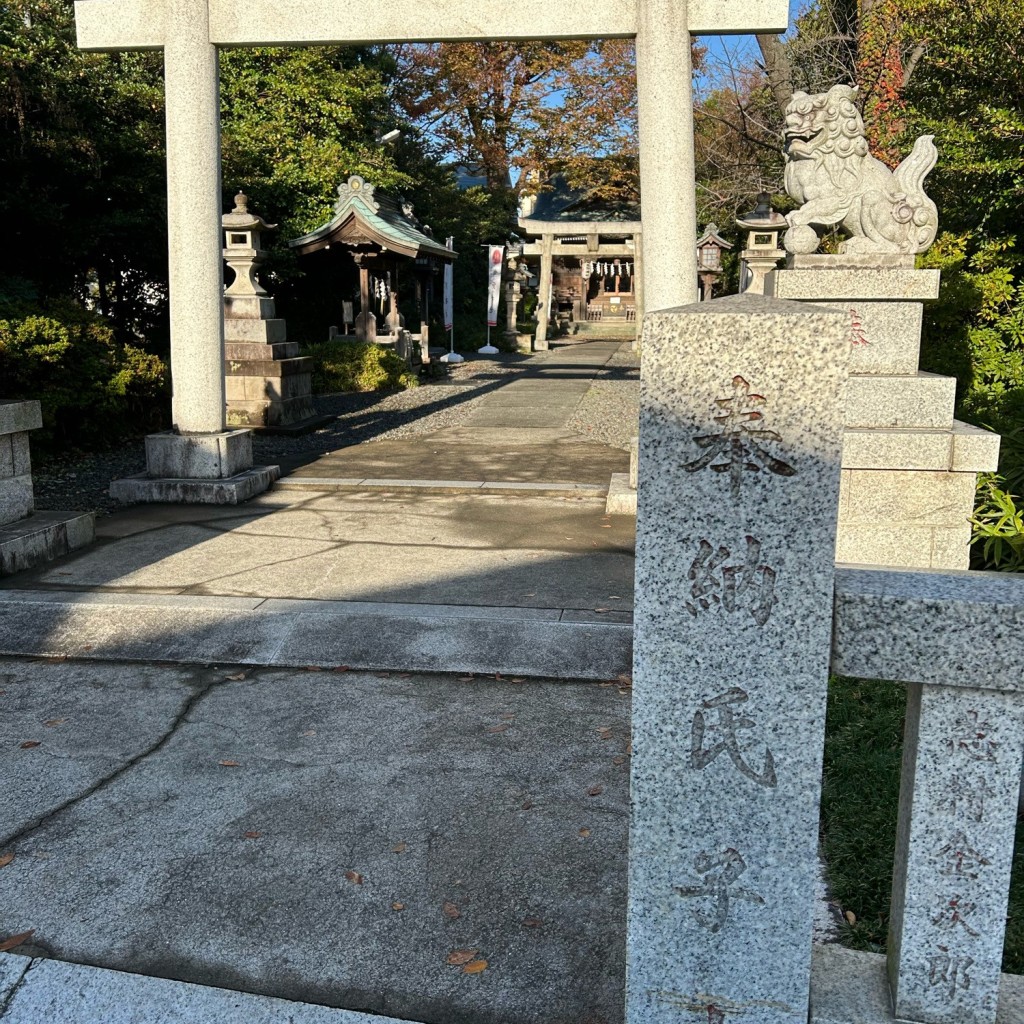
[[363, 215], [561, 204]]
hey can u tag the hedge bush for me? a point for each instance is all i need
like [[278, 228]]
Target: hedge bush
[[354, 366], [92, 389]]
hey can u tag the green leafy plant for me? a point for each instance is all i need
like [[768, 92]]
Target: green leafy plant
[[998, 526], [92, 388], [351, 366]]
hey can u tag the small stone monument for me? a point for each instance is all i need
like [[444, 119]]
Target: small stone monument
[[909, 468], [27, 537], [267, 384]]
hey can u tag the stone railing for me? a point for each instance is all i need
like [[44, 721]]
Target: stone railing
[[956, 639], [740, 612]]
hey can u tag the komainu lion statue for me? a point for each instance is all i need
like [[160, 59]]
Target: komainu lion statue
[[830, 172]]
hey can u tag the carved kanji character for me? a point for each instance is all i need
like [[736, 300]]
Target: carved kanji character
[[726, 726], [720, 874]]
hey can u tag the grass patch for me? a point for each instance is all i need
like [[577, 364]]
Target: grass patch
[[863, 750]]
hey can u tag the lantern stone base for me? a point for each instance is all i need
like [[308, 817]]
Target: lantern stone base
[[228, 491]]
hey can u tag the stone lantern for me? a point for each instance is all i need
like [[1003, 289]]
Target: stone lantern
[[763, 253], [710, 247], [267, 383], [244, 255]]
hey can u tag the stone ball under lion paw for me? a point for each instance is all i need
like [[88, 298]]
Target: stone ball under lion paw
[[802, 239]]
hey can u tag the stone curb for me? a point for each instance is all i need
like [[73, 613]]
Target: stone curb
[[544, 642]]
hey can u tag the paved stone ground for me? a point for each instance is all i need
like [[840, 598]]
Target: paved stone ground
[[326, 837]]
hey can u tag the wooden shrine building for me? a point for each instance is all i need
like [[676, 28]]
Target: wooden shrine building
[[589, 256], [376, 254]]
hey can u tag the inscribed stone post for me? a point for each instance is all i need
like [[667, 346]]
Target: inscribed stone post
[[740, 448], [954, 847]]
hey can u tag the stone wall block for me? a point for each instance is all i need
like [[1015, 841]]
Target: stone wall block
[[248, 307], [16, 499], [19, 417], [897, 448], [242, 350], [954, 846], [255, 332], [894, 497], [918, 400], [6, 455], [732, 627], [21, 454]]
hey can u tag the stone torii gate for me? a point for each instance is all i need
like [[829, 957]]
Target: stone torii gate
[[190, 32]]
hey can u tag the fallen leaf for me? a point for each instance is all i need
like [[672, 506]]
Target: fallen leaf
[[17, 940], [354, 876], [450, 910], [508, 715], [606, 526], [605, 732], [527, 804], [584, 832], [595, 791], [400, 848], [614, 597], [341, 668], [229, 764], [475, 967], [623, 690], [237, 677], [313, 668], [458, 957], [497, 675], [404, 675], [308, 732], [29, 744], [252, 835], [398, 906], [6, 859], [629, 748], [618, 760], [465, 679], [602, 610], [497, 728], [517, 679], [50, 723], [851, 917], [532, 922], [624, 679], [86, 647]]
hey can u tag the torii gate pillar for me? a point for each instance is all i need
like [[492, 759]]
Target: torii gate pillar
[[190, 32]]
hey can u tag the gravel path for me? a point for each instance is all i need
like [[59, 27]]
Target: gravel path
[[607, 413]]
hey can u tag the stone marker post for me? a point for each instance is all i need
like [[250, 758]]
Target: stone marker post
[[954, 848], [740, 449]]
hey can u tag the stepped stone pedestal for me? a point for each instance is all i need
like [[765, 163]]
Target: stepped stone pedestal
[[268, 386], [909, 468], [27, 537]]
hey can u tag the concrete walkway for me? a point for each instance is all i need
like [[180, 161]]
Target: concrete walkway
[[447, 848], [480, 548]]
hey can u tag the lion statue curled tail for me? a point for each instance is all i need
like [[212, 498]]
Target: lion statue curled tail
[[830, 172]]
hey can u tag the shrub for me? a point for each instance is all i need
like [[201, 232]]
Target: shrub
[[92, 389], [997, 527], [354, 366]]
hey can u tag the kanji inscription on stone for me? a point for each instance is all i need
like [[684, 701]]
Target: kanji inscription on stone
[[959, 859], [739, 447], [949, 972], [968, 796], [718, 886], [733, 583], [725, 728], [972, 737]]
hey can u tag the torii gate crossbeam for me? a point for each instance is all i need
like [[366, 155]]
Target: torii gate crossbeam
[[190, 31]]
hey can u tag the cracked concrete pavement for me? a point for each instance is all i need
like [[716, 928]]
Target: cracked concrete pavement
[[329, 837]]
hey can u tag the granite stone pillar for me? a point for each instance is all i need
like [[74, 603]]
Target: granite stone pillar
[[193, 219], [954, 847], [740, 448], [665, 121], [540, 341]]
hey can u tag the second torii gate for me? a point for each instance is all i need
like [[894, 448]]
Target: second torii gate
[[190, 31]]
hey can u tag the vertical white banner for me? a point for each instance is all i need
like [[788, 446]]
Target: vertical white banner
[[495, 258], [449, 296]]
